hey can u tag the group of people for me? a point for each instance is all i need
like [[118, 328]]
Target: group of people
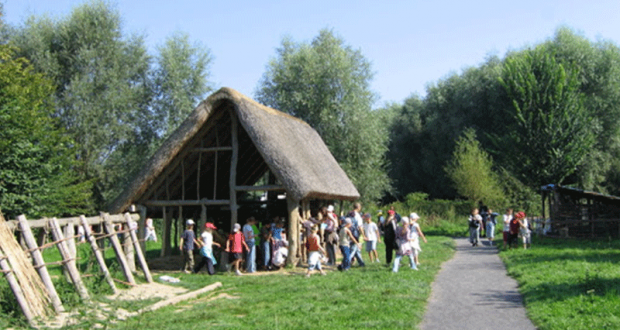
[[514, 225], [402, 235]]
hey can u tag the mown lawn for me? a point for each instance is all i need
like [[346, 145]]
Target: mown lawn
[[569, 283]]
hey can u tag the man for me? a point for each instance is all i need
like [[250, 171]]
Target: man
[[357, 229], [248, 233]]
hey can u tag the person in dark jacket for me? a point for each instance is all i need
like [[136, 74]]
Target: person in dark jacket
[[389, 236]]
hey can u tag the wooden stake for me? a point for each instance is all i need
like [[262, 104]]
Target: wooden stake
[[17, 290], [69, 231], [118, 249], [68, 260], [100, 260], [128, 248], [138, 250], [39, 263]]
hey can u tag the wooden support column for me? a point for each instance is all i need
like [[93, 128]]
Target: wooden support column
[[100, 260], [17, 290], [165, 236], [138, 249], [128, 248], [233, 169], [39, 263], [142, 227], [293, 230], [203, 214], [118, 249], [69, 231], [68, 259]]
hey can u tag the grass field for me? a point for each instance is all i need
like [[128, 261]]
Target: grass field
[[569, 283]]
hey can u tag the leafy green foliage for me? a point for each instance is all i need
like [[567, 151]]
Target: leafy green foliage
[[471, 170], [326, 83], [551, 132], [36, 174]]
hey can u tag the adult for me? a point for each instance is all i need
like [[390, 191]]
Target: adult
[[506, 229], [381, 221], [389, 236], [484, 213], [265, 235], [250, 241], [355, 249], [515, 225], [475, 222], [331, 236]]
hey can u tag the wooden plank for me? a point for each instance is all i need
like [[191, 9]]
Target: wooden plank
[[118, 249], [17, 290], [173, 203], [260, 188], [68, 260], [233, 169], [212, 149], [138, 249], [39, 263], [100, 260], [76, 221]]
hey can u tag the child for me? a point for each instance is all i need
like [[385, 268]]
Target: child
[[404, 247], [491, 222], [345, 237], [506, 229], [149, 234], [186, 245], [525, 231], [250, 240], [475, 220], [314, 249], [206, 249], [514, 226], [415, 234], [371, 236], [235, 245]]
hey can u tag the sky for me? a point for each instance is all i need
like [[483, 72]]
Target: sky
[[411, 44]]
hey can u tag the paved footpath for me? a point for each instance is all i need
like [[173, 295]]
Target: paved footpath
[[473, 291]]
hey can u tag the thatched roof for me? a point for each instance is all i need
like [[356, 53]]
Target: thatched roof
[[268, 140]]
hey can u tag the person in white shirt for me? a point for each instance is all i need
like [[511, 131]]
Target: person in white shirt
[[506, 230], [415, 234], [371, 236], [149, 234]]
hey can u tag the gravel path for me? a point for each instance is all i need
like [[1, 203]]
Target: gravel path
[[473, 291]]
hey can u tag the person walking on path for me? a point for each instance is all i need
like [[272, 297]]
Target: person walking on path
[[473, 291], [475, 222], [506, 229]]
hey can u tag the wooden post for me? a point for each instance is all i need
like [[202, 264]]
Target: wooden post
[[118, 249], [17, 290], [100, 260], [293, 230], [68, 259], [138, 250], [142, 227], [203, 214], [165, 239], [39, 263], [70, 232], [128, 248], [233, 170]]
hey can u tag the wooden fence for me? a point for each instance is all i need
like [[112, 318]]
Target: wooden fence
[[63, 234]]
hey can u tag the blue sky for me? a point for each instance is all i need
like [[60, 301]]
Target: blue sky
[[410, 43]]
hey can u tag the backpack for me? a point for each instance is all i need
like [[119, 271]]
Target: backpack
[[473, 223], [355, 231]]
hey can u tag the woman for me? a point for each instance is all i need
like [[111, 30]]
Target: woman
[[389, 236]]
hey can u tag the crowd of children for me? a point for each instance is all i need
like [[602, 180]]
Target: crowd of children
[[265, 247], [515, 225]]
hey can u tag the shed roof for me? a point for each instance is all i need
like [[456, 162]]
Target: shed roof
[[269, 140]]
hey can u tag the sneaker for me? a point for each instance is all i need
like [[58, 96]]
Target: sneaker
[[323, 273], [187, 271], [378, 260], [307, 275], [238, 272]]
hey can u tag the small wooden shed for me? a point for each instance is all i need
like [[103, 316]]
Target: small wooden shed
[[581, 213], [230, 156]]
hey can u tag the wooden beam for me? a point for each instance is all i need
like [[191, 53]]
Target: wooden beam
[[233, 169], [100, 260], [118, 249], [212, 149], [68, 260], [293, 231], [260, 188], [138, 248], [188, 202]]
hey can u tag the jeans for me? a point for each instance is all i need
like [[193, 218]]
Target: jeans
[[357, 254], [331, 253], [205, 261], [474, 235], [397, 262], [250, 260], [266, 253], [346, 257]]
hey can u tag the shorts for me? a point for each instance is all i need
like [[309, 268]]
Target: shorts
[[314, 260], [371, 246], [527, 238], [237, 256]]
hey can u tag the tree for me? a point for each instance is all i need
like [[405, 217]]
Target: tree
[[180, 80], [36, 176], [551, 132], [327, 84], [102, 88], [471, 171]]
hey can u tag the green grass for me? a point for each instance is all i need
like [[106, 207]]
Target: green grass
[[568, 283]]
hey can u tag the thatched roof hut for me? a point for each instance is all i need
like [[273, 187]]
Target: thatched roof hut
[[211, 160]]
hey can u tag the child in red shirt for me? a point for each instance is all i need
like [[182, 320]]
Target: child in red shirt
[[314, 250], [235, 245]]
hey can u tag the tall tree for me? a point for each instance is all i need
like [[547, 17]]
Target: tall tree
[[327, 84], [36, 171], [181, 81], [101, 82], [471, 171], [551, 131]]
